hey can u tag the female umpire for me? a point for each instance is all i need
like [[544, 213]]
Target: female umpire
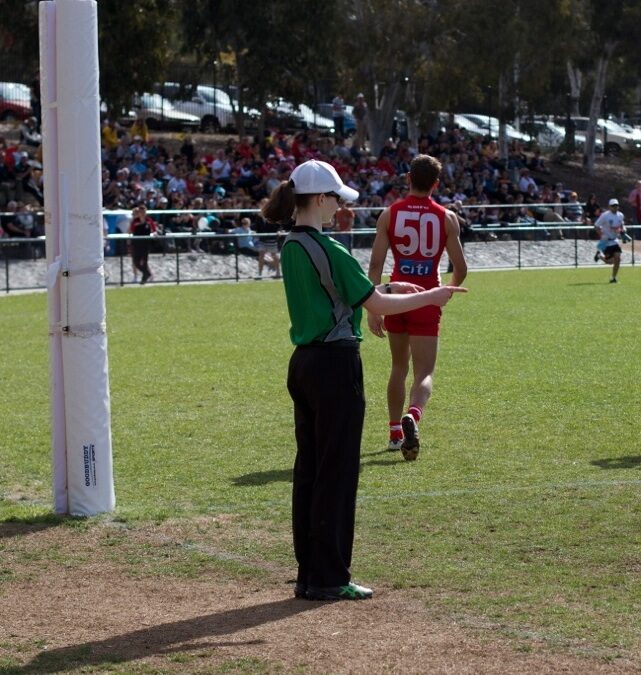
[[326, 289]]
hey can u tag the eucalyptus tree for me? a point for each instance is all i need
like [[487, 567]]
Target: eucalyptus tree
[[508, 49], [614, 28], [265, 49], [136, 41], [386, 47]]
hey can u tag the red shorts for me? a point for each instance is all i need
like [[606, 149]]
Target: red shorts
[[423, 321]]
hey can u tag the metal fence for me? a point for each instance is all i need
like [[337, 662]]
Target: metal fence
[[174, 260]]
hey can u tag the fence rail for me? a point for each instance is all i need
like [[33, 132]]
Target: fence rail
[[547, 244]]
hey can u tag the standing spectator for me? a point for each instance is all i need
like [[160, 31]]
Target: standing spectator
[[344, 218], [139, 128], [267, 243], [35, 101], [109, 135], [326, 289], [338, 115], [142, 226], [188, 150], [634, 198], [360, 115]]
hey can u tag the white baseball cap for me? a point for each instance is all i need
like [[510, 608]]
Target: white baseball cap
[[613, 202], [315, 177]]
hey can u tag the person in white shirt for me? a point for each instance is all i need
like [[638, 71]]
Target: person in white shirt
[[610, 225], [527, 183]]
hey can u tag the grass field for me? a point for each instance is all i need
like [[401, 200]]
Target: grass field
[[521, 516]]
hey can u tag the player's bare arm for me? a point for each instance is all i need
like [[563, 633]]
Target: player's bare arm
[[455, 249], [376, 263], [379, 248]]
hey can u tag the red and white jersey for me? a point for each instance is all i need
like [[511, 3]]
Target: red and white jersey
[[417, 238]]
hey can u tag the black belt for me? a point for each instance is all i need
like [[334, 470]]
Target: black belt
[[354, 344]]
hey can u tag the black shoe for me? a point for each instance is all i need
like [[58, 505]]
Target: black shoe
[[300, 591], [410, 445], [349, 591], [613, 280], [597, 257]]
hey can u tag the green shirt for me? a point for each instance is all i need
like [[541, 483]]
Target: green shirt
[[325, 288]]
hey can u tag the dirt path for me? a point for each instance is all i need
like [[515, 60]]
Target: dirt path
[[78, 608]]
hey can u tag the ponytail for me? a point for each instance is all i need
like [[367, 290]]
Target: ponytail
[[281, 203]]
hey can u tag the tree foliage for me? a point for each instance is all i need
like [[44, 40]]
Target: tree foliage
[[136, 44], [418, 55]]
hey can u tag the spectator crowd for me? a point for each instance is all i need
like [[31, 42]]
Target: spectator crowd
[[208, 191]]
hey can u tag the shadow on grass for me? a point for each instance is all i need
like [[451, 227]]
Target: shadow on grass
[[383, 462], [286, 475], [628, 462], [15, 527], [385, 451], [264, 477], [163, 639]]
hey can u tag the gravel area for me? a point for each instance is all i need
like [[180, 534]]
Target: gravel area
[[17, 275]]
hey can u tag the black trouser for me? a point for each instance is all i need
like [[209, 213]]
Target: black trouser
[[326, 385], [140, 255]]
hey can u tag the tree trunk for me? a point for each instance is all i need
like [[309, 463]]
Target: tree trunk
[[575, 78], [503, 144], [381, 118], [595, 106]]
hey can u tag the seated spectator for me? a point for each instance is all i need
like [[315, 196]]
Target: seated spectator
[[12, 225], [178, 182], [29, 134], [245, 241], [27, 185], [537, 163], [573, 211], [7, 181], [527, 184], [388, 150], [592, 209]]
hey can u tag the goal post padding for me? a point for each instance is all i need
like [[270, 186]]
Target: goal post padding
[[80, 406]]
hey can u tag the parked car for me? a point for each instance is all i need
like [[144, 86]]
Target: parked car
[[491, 124], [290, 117], [15, 101], [213, 106], [544, 131], [159, 113], [462, 122], [613, 136]]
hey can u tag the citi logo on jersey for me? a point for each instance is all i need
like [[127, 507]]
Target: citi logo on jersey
[[415, 268]]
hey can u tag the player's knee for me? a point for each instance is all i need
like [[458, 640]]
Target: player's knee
[[400, 370]]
